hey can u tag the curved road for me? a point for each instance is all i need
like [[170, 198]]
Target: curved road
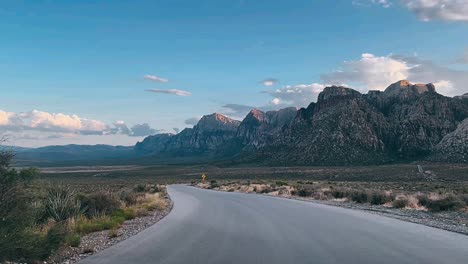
[[219, 227]]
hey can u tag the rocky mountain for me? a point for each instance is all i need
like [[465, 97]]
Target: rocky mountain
[[344, 127], [454, 146], [341, 128], [419, 117], [209, 134], [258, 128]]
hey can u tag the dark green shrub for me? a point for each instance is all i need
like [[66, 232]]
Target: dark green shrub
[[139, 188], [303, 192], [281, 183], [400, 202], [96, 204], [379, 197], [423, 199], [360, 196], [213, 184], [449, 203]]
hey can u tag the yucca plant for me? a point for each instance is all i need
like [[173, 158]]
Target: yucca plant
[[61, 203]]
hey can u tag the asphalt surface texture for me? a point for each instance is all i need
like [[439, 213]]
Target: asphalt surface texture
[[207, 226]]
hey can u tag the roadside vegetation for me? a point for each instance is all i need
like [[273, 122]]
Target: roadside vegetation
[[39, 218], [432, 201]]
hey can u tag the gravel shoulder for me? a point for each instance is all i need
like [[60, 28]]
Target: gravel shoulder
[[98, 241]]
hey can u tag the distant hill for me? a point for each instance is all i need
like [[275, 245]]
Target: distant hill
[[69, 154]]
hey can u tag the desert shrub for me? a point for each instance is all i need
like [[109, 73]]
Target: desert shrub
[[139, 188], [60, 203], [96, 204], [303, 192], [379, 197], [154, 202], [128, 198], [140, 212], [400, 202], [449, 203], [213, 184], [359, 196], [423, 199], [281, 183]]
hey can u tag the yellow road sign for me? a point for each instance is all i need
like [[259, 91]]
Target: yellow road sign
[[203, 176]]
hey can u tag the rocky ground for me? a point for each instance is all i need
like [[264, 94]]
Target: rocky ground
[[455, 221], [95, 242]]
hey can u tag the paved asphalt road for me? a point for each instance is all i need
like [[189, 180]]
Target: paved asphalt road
[[219, 227]]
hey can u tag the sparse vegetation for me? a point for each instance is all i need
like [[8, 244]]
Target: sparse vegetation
[[37, 218]]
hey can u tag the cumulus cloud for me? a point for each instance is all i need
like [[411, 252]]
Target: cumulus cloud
[[369, 72], [192, 121], [170, 91], [269, 81], [296, 95], [155, 78], [58, 125], [451, 81], [377, 72], [448, 10]]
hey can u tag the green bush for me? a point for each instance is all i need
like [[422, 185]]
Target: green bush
[[98, 204], [73, 240], [126, 213], [449, 203], [86, 226], [213, 184]]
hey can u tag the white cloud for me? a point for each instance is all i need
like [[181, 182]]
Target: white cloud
[[377, 73], [269, 82], [448, 10], [445, 87], [370, 72], [155, 78], [384, 3], [296, 95], [192, 121], [170, 91], [58, 125], [276, 101]]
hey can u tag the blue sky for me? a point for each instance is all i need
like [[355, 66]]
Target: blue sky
[[89, 59]]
